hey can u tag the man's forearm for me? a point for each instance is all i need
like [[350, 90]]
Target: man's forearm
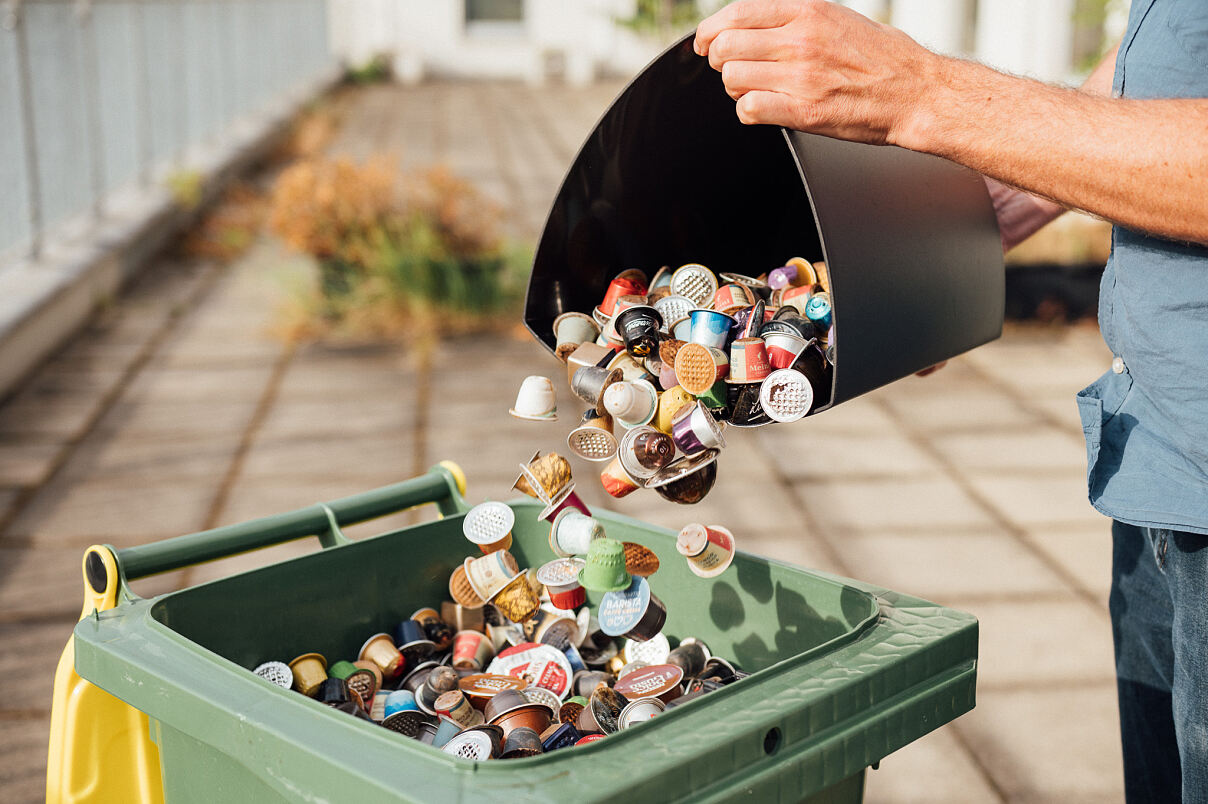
[[1139, 163], [819, 67]]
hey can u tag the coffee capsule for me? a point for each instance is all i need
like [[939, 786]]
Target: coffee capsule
[[412, 643], [489, 574], [489, 525], [673, 308], [472, 650], [818, 310], [757, 285], [697, 367], [455, 706], [783, 348], [445, 731], [695, 430], [639, 328], [400, 701], [588, 354], [797, 298], [747, 411], [462, 591], [709, 550], [640, 560], [410, 723], [616, 481], [536, 400], [380, 650], [609, 336], [333, 692], [634, 612], [559, 735], [639, 711], [475, 744], [681, 328], [309, 671], [517, 600], [631, 403], [730, 298], [549, 476], [561, 579], [648, 651], [276, 673], [671, 402], [644, 451], [748, 361], [521, 741], [590, 382], [481, 687], [690, 657], [542, 665], [436, 629], [694, 281], [786, 395], [459, 617], [604, 569], [571, 330], [504, 701], [571, 533], [415, 679], [440, 680], [710, 328], [688, 480], [797, 322], [605, 706], [626, 283], [567, 501], [593, 440], [540, 695]]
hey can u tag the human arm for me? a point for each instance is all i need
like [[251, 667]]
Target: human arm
[[819, 67]]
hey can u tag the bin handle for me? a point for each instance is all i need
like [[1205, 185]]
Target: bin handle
[[444, 484]]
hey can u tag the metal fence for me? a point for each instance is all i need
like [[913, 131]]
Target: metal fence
[[99, 95]]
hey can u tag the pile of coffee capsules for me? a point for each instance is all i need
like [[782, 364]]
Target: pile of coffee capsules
[[516, 664], [676, 359]]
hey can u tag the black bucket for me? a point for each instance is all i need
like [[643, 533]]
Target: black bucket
[[669, 176]]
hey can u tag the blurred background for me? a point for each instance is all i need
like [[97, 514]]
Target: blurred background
[[256, 254]]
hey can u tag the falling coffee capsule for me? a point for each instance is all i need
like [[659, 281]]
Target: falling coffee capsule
[[639, 328]]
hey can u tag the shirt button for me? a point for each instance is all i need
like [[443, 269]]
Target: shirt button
[[1118, 364]]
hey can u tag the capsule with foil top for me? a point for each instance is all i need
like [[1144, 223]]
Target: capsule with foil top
[[489, 574], [488, 525], [730, 298], [709, 549], [571, 330], [687, 480], [632, 404], [380, 650], [309, 671], [561, 580], [694, 281], [644, 451], [593, 439], [572, 533]]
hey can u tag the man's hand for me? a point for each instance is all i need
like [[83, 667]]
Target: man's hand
[[816, 66]]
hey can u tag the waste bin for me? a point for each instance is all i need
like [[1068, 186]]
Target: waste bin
[[669, 176], [842, 673]]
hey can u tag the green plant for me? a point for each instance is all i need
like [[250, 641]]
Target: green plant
[[662, 16], [186, 187], [374, 71], [393, 259]]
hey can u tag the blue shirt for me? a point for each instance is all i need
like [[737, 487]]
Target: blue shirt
[[1146, 421]]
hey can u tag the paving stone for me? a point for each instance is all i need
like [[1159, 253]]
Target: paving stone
[[27, 464], [28, 661], [872, 506], [1060, 744], [803, 549], [934, 769], [1038, 501], [1034, 643], [343, 376], [204, 459], [177, 418], [216, 383], [948, 566], [78, 513], [1084, 551], [48, 417], [252, 499], [860, 416], [354, 414], [372, 457], [23, 759], [976, 409], [811, 451], [1023, 452]]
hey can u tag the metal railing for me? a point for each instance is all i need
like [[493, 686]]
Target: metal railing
[[101, 95]]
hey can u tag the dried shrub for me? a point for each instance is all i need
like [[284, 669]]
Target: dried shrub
[[394, 253]]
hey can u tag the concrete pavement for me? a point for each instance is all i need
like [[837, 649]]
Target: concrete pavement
[[179, 411]]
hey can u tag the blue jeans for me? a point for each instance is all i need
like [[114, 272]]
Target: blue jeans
[[1159, 609]]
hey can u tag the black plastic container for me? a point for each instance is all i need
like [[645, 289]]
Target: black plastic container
[[669, 176]]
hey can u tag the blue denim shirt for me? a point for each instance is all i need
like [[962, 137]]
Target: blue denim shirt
[[1146, 421]]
